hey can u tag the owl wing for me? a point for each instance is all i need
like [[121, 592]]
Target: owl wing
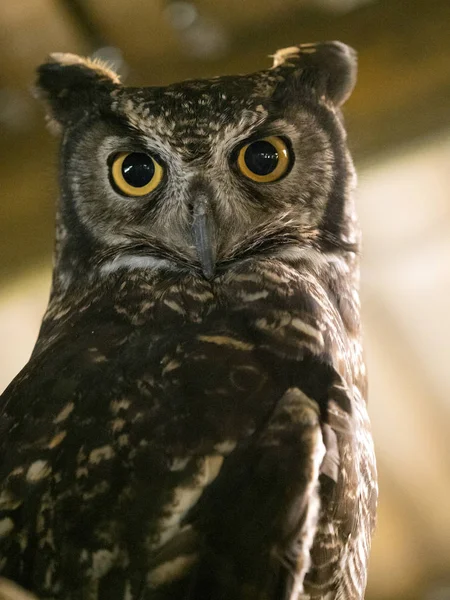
[[259, 517]]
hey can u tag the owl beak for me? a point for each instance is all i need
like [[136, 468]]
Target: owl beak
[[204, 234]]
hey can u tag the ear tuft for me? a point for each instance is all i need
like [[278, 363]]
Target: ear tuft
[[329, 68], [71, 85], [285, 56], [99, 67]]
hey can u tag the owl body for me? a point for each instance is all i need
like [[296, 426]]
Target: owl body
[[195, 404]]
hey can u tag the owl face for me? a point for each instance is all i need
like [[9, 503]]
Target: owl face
[[202, 173]]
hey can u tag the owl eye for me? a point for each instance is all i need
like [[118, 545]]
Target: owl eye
[[264, 160], [136, 173]]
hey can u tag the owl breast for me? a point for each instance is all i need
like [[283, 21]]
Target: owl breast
[[156, 385]]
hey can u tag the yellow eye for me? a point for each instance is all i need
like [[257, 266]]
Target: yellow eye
[[136, 173], [264, 160]]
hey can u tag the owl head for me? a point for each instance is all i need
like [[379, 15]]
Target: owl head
[[204, 173]]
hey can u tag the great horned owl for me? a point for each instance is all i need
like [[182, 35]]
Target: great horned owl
[[192, 422]]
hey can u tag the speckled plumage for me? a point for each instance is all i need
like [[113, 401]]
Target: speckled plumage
[[176, 436]]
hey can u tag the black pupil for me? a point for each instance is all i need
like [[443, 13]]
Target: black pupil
[[138, 169], [261, 157]]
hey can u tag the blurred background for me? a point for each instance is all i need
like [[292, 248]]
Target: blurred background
[[399, 129]]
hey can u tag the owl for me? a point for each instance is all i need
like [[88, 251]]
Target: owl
[[192, 422]]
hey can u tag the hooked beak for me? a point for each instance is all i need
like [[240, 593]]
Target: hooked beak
[[204, 233]]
